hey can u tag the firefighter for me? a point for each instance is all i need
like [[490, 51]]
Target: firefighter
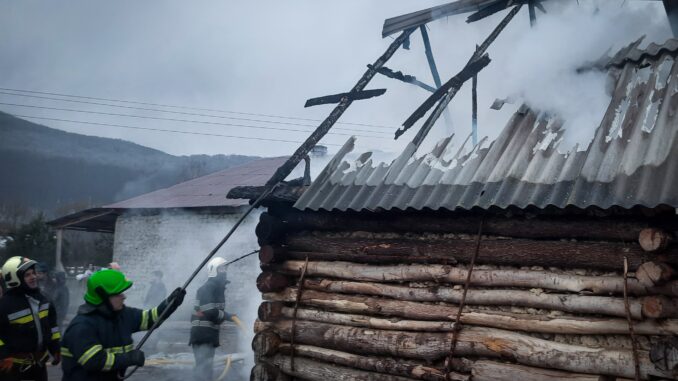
[[206, 319], [28, 329], [97, 345]]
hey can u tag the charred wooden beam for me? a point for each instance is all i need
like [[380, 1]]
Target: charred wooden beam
[[350, 96], [446, 92], [284, 170], [360, 311], [532, 11], [570, 227], [474, 110], [488, 10], [473, 341], [450, 87], [269, 230], [671, 8], [284, 193], [404, 78], [494, 251]]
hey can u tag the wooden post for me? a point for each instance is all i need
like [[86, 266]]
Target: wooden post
[[58, 265]]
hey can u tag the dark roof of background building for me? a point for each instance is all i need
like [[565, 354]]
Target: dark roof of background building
[[206, 192], [632, 160]]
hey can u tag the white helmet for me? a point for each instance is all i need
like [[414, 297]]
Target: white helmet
[[213, 265], [13, 270]]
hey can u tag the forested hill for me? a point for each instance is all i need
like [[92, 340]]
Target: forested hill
[[42, 168]]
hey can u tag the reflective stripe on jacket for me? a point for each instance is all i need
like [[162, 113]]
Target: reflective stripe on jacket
[[96, 342], [18, 329]]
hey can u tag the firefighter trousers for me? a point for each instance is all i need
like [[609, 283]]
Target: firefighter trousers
[[204, 362]]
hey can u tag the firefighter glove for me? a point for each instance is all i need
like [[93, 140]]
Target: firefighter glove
[[136, 357], [56, 358], [178, 296]]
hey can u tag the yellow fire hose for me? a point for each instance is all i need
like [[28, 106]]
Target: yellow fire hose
[[239, 323], [160, 362], [226, 369]]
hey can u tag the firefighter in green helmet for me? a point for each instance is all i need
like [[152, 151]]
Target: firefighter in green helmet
[[97, 345]]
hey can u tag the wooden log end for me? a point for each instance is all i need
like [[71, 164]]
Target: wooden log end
[[265, 372], [270, 311], [654, 240], [269, 230], [269, 254], [266, 343], [652, 274], [269, 281], [656, 307]]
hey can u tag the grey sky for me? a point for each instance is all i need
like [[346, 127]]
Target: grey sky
[[268, 57]]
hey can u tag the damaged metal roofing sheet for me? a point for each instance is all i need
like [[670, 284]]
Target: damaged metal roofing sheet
[[632, 160]]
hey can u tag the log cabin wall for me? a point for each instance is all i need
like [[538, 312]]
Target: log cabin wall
[[380, 294]]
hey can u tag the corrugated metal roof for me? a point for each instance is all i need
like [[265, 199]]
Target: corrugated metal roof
[[209, 190], [632, 54], [415, 19], [632, 160]]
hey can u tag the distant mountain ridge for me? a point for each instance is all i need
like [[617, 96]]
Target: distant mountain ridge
[[42, 168]]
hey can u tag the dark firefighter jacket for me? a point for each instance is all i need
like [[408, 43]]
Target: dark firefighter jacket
[[210, 303], [96, 343], [18, 331]]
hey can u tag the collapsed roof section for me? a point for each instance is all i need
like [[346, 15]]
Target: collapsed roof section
[[632, 160]]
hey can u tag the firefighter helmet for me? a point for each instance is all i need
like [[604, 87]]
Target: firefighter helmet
[[105, 283], [13, 270], [213, 266]]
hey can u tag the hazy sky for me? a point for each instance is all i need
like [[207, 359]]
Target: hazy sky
[[268, 57]]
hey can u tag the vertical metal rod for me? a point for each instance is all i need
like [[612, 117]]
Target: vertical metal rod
[[434, 69], [474, 110], [634, 343], [429, 56]]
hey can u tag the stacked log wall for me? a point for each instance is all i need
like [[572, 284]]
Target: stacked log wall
[[379, 297]]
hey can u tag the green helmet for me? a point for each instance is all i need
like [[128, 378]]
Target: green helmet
[[105, 283]]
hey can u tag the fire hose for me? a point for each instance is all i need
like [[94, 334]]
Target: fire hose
[[162, 316]]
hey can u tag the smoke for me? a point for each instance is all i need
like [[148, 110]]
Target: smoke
[[175, 243], [539, 65]]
